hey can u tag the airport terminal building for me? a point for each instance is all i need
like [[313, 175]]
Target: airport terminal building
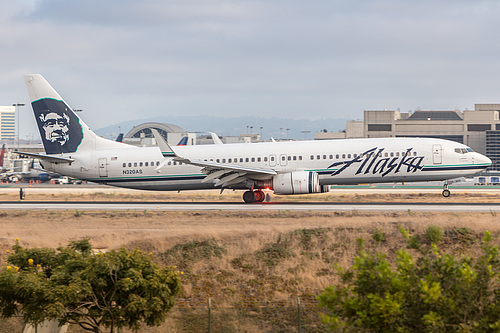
[[478, 128]]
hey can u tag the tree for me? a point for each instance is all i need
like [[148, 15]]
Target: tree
[[111, 290], [434, 293]]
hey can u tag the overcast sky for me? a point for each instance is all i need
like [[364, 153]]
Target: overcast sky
[[124, 60]]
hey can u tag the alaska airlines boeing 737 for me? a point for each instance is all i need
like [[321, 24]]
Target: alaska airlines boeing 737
[[296, 167]]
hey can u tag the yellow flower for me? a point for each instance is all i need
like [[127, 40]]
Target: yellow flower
[[8, 251], [38, 266], [17, 268], [9, 268], [16, 240], [30, 262]]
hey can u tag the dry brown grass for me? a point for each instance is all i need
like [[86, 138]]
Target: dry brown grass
[[110, 194], [268, 255]]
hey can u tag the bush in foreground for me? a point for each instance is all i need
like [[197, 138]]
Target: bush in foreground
[[110, 290], [434, 293]]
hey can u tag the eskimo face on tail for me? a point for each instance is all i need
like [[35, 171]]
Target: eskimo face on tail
[[56, 127], [59, 127]]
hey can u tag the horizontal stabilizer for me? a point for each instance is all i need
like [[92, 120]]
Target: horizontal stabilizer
[[48, 158]]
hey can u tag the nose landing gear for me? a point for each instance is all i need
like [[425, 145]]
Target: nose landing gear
[[446, 193], [254, 196]]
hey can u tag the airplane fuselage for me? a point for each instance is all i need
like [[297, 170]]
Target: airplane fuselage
[[351, 161]]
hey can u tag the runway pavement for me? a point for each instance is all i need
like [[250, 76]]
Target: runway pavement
[[233, 206]]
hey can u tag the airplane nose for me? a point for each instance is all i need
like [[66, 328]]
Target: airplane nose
[[483, 160]]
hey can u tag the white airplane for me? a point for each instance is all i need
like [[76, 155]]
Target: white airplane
[[297, 167]]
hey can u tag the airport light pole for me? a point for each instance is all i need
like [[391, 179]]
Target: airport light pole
[[18, 120]]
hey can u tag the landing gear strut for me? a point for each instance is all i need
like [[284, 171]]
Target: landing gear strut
[[254, 196], [446, 193]]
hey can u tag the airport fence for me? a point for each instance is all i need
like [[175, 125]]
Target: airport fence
[[299, 315]]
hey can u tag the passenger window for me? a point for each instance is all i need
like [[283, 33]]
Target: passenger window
[[146, 164], [355, 155], [386, 154], [343, 155], [175, 163], [253, 159], [348, 155], [129, 164], [300, 158], [397, 154], [272, 158], [414, 153], [135, 164], [337, 156], [331, 157], [324, 157], [312, 157], [289, 158], [318, 157], [283, 158], [217, 160], [241, 159], [229, 160], [157, 163], [223, 160], [258, 159], [295, 158], [124, 165], [392, 154], [169, 162], [246, 159], [140, 164], [265, 159]]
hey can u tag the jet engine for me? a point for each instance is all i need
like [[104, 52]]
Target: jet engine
[[298, 182]]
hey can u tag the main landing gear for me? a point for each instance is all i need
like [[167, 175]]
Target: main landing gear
[[446, 193], [255, 196]]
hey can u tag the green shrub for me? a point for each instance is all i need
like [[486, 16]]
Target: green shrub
[[378, 236], [434, 234], [435, 293]]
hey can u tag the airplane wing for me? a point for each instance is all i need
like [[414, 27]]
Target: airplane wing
[[48, 158], [227, 174]]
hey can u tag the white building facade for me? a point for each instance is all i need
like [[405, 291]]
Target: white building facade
[[7, 123]]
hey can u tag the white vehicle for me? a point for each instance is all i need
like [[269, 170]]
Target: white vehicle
[[62, 180], [296, 167]]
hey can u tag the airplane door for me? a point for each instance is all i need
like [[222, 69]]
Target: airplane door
[[103, 167], [283, 160], [272, 160], [437, 154]]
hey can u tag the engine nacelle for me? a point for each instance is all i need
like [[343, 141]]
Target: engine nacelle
[[298, 182]]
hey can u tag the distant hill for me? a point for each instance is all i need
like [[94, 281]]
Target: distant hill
[[234, 126]]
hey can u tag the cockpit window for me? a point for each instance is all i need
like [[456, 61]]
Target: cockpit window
[[463, 150]]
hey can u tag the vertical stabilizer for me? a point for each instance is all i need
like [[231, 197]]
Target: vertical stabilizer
[[2, 154], [61, 130]]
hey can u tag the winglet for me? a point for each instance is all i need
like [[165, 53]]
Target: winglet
[[216, 138], [162, 144]]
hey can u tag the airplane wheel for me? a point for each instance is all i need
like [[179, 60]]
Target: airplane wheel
[[446, 193], [268, 197], [249, 197], [259, 196]]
